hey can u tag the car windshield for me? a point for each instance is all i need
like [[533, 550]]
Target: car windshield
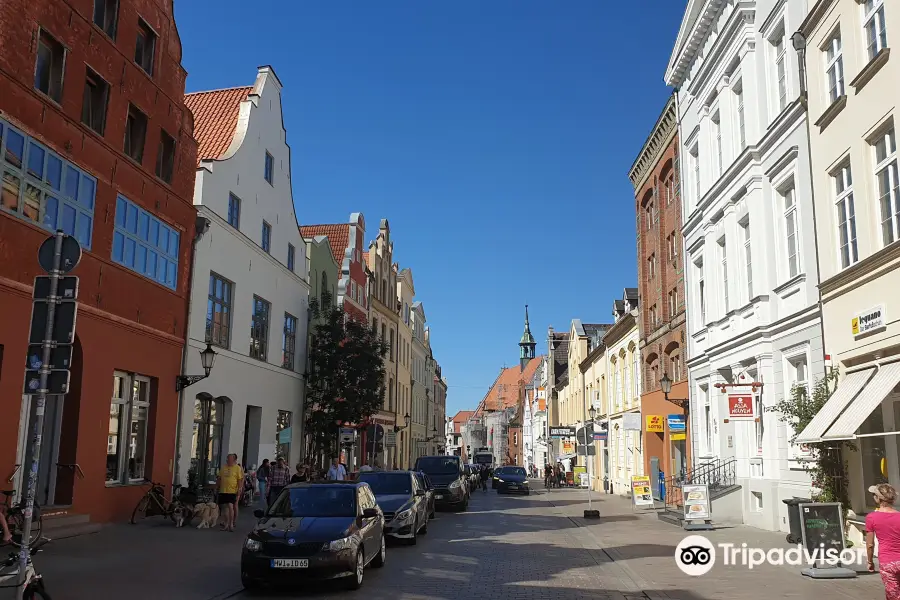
[[384, 484], [520, 471], [483, 459], [315, 501], [437, 464]]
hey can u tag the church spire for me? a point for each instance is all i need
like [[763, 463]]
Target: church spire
[[526, 344]]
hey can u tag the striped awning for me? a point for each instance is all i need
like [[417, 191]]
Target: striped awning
[[883, 383], [848, 389]]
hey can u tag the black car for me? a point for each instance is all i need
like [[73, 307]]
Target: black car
[[448, 477], [329, 530], [403, 502], [425, 483], [511, 480]]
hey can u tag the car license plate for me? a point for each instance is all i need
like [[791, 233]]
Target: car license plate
[[290, 563], [439, 497]]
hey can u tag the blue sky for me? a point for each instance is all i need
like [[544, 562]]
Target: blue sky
[[496, 137]]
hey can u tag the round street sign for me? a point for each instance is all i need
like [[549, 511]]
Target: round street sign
[[70, 255]]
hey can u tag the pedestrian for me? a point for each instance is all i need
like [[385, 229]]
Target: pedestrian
[[365, 468], [884, 523], [337, 472], [262, 480], [230, 484], [279, 476], [302, 474]]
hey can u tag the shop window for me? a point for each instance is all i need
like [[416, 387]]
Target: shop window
[[283, 435], [126, 442], [872, 453], [206, 452]]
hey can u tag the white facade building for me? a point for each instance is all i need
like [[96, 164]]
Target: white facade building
[[250, 293], [749, 240], [421, 417]]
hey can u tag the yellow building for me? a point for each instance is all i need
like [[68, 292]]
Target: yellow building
[[593, 376]]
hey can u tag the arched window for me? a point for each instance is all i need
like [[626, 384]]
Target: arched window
[[674, 366]]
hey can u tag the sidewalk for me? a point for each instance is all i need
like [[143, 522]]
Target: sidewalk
[[644, 547]]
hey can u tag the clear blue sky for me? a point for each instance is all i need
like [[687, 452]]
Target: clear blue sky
[[496, 136]]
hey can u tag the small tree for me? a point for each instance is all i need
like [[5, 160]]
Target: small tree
[[345, 380], [825, 464]]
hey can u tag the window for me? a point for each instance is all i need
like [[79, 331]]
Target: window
[[324, 292], [748, 258], [876, 32], [218, 311], [779, 53], [145, 48], [834, 68], [723, 256], [673, 303], [635, 370], [106, 13], [269, 168], [695, 163], [383, 332], [670, 190], [48, 72], [759, 425], [651, 266], [701, 293], [649, 212], [234, 211], [145, 244], [790, 230], [888, 182], [283, 434], [675, 366], [135, 133], [165, 156], [391, 344], [259, 329], [717, 141], [40, 186], [209, 424], [289, 341], [846, 215], [96, 99], [267, 237], [741, 119], [126, 451], [290, 260], [390, 406], [707, 420], [672, 241]]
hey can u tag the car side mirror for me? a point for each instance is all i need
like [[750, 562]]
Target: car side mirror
[[420, 492], [259, 513], [370, 513]]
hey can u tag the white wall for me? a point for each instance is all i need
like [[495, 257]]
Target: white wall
[[237, 256]]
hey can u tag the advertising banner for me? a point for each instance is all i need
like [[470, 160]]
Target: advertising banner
[[740, 407], [640, 491], [696, 502], [568, 447]]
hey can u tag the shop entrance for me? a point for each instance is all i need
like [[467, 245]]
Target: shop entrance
[[678, 458]]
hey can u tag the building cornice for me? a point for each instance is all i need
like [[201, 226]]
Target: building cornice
[[815, 15], [691, 38], [655, 146], [742, 17], [861, 272]]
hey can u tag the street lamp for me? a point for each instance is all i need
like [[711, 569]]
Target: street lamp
[[592, 412], [665, 384], [406, 419], [207, 359]]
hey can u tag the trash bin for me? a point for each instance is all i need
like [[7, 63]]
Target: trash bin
[[793, 506]]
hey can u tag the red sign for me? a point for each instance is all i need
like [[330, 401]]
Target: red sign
[[740, 406]]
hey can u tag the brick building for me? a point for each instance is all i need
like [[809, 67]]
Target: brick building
[[95, 140], [655, 178]]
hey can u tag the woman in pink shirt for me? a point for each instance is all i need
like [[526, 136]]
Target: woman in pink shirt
[[884, 523]]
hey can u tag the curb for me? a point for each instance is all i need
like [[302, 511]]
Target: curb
[[229, 594]]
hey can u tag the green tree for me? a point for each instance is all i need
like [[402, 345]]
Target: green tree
[[345, 379], [825, 465]]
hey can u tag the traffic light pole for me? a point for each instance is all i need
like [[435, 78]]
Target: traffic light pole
[[41, 402]]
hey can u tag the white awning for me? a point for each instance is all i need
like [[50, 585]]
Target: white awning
[[886, 379], [840, 399]]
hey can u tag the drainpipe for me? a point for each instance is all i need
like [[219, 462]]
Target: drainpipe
[[201, 226]]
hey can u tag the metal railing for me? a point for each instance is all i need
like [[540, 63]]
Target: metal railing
[[717, 474]]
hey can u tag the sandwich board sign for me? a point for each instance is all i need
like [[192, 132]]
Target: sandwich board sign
[[697, 510]]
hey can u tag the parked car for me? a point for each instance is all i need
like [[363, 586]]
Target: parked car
[[425, 483], [512, 480], [467, 469], [449, 479], [403, 502], [330, 530]]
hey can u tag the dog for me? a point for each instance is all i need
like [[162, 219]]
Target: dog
[[208, 513], [179, 515]]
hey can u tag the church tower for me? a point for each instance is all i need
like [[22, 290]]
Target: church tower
[[526, 344]]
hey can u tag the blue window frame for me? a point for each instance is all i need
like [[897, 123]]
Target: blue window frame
[[145, 244], [234, 211], [290, 263], [267, 237], [40, 186]]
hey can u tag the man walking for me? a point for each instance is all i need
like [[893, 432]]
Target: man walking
[[337, 472], [279, 476]]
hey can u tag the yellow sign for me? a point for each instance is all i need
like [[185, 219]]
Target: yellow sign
[[854, 324], [568, 447], [655, 423], [677, 436], [640, 491]]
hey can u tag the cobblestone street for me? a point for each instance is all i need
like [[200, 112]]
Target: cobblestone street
[[503, 548]]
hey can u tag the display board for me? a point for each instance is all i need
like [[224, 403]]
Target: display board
[[822, 524]]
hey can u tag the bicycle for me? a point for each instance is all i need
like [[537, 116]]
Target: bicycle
[[154, 503], [34, 581], [15, 517]]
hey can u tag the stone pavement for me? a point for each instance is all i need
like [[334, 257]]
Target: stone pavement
[[645, 547]]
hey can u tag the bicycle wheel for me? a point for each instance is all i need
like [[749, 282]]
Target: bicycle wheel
[[16, 522], [140, 511]]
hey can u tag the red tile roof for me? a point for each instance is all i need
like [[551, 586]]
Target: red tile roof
[[215, 119], [338, 237], [463, 416], [505, 391]]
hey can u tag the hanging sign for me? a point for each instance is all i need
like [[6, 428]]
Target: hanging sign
[[677, 423], [740, 406], [568, 447], [654, 423]]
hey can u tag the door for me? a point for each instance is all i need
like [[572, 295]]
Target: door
[[654, 478], [206, 453], [678, 465], [45, 493]]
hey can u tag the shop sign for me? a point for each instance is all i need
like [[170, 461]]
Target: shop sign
[[868, 321], [677, 423], [740, 406], [568, 447], [655, 423], [631, 421], [640, 491], [677, 437], [561, 432]]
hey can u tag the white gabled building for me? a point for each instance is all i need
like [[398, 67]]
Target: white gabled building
[[250, 293], [749, 240]]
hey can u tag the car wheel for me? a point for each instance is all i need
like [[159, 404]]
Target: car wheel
[[356, 580], [415, 533], [378, 561]]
